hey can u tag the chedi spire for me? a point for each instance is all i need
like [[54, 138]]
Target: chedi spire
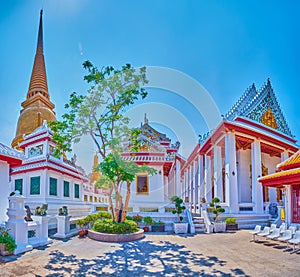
[[37, 106]]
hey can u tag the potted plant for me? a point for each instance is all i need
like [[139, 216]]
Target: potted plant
[[231, 224], [81, 223], [158, 226], [179, 227], [217, 210], [148, 221], [7, 243]]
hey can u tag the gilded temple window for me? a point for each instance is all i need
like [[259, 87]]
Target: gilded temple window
[[142, 184]]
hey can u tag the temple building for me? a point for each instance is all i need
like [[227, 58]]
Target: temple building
[[97, 197], [287, 179], [37, 107], [43, 178], [249, 142], [152, 193], [8, 157]]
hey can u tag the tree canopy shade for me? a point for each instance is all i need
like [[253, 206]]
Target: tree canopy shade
[[100, 114]]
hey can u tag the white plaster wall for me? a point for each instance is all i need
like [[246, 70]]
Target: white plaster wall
[[244, 180], [156, 191], [44, 196], [271, 163], [4, 190]]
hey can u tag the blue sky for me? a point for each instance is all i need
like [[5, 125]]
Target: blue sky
[[224, 45]]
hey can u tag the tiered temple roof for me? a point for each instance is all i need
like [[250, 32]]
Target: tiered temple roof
[[260, 106]]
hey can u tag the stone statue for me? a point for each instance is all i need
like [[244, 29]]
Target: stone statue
[[28, 214], [273, 210], [63, 210], [42, 211]]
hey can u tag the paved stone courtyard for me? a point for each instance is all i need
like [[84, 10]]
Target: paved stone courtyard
[[228, 254]]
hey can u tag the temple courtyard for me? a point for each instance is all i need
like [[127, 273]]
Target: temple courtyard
[[221, 254]]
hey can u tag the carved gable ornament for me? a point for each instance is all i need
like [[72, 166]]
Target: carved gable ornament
[[261, 106]]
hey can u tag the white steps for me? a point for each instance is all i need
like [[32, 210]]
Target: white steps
[[199, 224]]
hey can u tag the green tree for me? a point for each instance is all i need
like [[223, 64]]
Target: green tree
[[100, 114]]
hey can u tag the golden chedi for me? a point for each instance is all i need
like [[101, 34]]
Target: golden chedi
[[37, 107]]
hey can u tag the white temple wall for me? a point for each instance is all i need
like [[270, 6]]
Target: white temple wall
[[271, 163], [154, 197], [44, 196], [244, 176], [4, 189]]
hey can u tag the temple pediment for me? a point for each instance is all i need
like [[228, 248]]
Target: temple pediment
[[147, 145], [261, 106]]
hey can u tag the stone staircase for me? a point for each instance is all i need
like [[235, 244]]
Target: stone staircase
[[199, 224]]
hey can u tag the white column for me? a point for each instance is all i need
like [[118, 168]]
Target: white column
[[177, 181], [231, 186], [16, 223], [166, 184], [257, 193], [207, 179], [288, 204], [196, 184], [218, 172], [185, 184], [63, 226], [284, 155], [190, 184], [201, 176]]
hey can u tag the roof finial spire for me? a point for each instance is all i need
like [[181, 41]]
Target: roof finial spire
[[145, 119], [40, 35]]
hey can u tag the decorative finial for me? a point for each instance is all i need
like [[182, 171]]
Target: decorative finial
[[145, 119]]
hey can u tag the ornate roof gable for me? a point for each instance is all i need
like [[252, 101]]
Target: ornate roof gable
[[146, 145], [261, 106]]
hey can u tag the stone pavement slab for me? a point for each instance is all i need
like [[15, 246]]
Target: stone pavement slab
[[227, 254]]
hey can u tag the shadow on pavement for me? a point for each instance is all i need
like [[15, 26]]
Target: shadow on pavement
[[140, 258]]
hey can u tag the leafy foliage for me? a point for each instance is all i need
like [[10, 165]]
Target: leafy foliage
[[7, 240], [100, 114], [111, 227], [179, 207], [230, 220], [216, 208], [148, 220], [137, 218]]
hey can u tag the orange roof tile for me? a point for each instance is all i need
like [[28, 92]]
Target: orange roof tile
[[284, 173], [291, 162]]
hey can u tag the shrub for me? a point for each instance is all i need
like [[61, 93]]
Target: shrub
[[137, 218], [230, 220], [216, 208], [148, 220], [81, 223], [128, 217], [110, 227], [103, 215], [179, 207], [7, 240]]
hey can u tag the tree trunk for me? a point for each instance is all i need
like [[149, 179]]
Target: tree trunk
[[111, 205], [117, 205], [126, 201]]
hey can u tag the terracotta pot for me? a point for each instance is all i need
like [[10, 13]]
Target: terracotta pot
[[3, 252], [146, 229], [81, 233], [86, 231]]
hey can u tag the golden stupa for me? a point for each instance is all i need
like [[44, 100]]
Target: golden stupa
[[95, 174], [37, 107]]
